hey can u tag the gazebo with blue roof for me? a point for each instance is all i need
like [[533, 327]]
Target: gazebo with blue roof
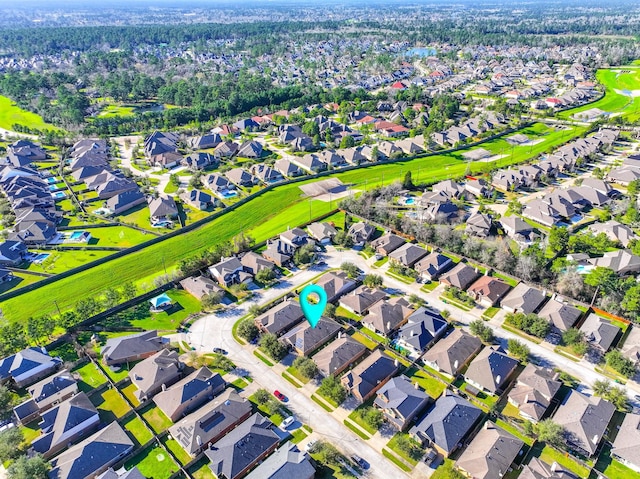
[[161, 302]]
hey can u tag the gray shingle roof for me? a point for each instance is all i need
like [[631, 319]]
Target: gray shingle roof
[[490, 369], [286, 463], [281, 317], [122, 348], [307, 339], [452, 352], [523, 298], [448, 422], [337, 355], [627, 443], [398, 394], [422, 328]]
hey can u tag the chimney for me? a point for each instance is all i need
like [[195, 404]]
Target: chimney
[[395, 362], [416, 385], [554, 466], [498, 378], [389, 325], [595, 439], [164, 387]]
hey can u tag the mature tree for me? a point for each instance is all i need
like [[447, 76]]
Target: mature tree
[[558, 239], [111, 297], [330, 310], [306, 366], [262, 396], [247, 330], [342, 238], [266, 276], [28, 468], [6, 400], [616, 361], [618, 397], [373, 281], [601, 277], [129, 291], [209, 301], [416, 300], [255, 310], [518, 349], [409, 446], [331, 388], [275, 349], [11, 444], [347, 142], [327, 453], [350, 268], [550, 432], [481, 330], [407, 183], [601, 387], [304, 255], [372, 417]]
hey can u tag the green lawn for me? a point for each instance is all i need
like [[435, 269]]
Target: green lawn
[[296, 374], [30, 431], [154, 463], [111, 111], [298, 435], [11, 114], [261, 218], [513, 430], [447, 470], [356, 416], [393, 445], [137, 430], [361, 338], [490, 312], [156, 418], [177, 450], [60, 261], [120, 374], [128, 393], [140, 216], [90, 377], [550, 455], [200, 470], [432, 386], [429, 287], [119, 236], [614, 102], [110, 405]]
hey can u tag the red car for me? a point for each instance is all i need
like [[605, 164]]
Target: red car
[[279, 395]]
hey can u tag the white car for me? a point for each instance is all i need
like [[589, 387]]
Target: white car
[[288, 421], [310, 445]]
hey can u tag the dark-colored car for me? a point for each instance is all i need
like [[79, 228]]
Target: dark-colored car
[[219, 351], [280, 396], [360, 462]]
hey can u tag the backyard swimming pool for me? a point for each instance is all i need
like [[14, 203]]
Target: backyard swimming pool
[[58, 195], [76, 235], [40, 258]]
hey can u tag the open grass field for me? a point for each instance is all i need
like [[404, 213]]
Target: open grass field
[[619, 78], [60, 261], [11, 114], [154, 463], [111, 111], [261, 218]]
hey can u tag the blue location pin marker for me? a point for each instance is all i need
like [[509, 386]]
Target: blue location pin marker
[[311, 311]]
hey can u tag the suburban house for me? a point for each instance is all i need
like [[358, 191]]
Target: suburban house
[[361, 299], [523, 299], [265, 173], [250, 149], [447, 424], [621, 261], [490, 454], [94, 455], [600, 332], [626, 447], [65, 424], [12, 253], [360, 233], [366, 378], [433, 265], [229, 271], [241, 177], [46, 394], [424, 326], [133, 347], [408, 254], [615, 231], [197, 199], [278, 252], [130, 474], [335, 284], [212, 421], [517, 229], [536, 469], [401, 401], [286, 463], [461, 276], [585, 419], [162, 208], [189, 393], [488, 290], [220, 185], [305, 339], [200, 286], [287, 168], [338, 355], [280, 318], [253, 263], [535, 389], [124, 201], [295, 237], [200, 161], [233, 455], [323, 232], [387, 243], [452, 353], [155, 373], [562, 316], [387, 315], [479, 224], [28, 366], [491, 370]]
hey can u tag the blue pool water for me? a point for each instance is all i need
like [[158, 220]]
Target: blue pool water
[[409, 201], [59, 195], [229, 194], [76, 235], [40, 258], [52, 187], [51, 180], [584, 268]]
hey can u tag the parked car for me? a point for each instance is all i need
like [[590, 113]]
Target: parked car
[[430, 456], [219, 351], [288, 421], [359, 461], [310, 445], [279, 395]]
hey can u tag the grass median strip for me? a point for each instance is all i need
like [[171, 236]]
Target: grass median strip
[[262, 358], [352, 425], [392, 457]]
